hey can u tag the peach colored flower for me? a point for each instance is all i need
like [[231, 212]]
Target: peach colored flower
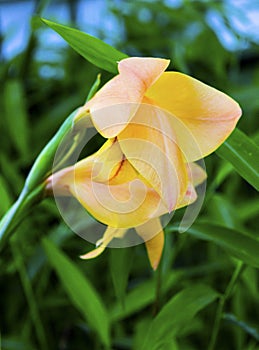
[[157, 124]]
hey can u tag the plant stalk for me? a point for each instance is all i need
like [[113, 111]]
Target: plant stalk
[[222, 301]]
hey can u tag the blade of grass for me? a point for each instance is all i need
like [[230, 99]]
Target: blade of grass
[[29, 294]]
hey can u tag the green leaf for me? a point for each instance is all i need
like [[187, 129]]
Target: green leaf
[[92, 49], [120, 262], [141, 296], [5, 196], [239, 244], [243, 154], [176, 314], [16, 115], [221, 210], [80, 291]]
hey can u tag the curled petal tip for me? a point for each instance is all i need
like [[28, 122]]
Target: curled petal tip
[[92, 254]]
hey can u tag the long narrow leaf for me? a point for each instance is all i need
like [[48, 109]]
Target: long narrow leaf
[[120, 263], [243, 154], [176, 314], [239, 244], [92, 49], [80, 291]]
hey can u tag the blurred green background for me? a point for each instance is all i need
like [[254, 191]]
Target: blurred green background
[[43, 80]]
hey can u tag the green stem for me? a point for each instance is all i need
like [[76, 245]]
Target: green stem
[[222, 301], [28, 291], [158, 275], [10, 217], [17, 212]]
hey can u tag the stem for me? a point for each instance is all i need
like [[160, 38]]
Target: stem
[[16, 213], [222, 301], [28, 291], [10, 216], [158, 276]]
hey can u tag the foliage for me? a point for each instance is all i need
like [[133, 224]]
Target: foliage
[[208, 280]]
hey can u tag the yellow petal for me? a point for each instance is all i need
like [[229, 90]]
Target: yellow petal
[[196, 174], [58, 183], [102, 165], [202, 116], [153, 235], [117, 101], [109, 234], [149, 144], [189, 197], [122, 205]]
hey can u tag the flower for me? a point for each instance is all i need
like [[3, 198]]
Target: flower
[[157, 124], [167, 112]]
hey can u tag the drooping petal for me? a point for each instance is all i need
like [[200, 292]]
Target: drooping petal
[[117, 101], [109, 234], [202, 116], [153, 235], [149, 144]]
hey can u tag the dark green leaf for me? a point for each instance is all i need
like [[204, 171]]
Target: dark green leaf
[[239, 244], [243, 154], [141, 296], [120, 262], [176, 314], [80, 291], [92, 49]]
